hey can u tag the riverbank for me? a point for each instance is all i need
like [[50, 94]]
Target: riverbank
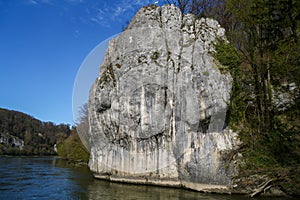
[[265, 188], [207, 188]]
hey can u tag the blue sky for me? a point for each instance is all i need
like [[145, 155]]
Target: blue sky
[[43, 44]]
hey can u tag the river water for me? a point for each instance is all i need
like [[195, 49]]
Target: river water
[[52, 178]]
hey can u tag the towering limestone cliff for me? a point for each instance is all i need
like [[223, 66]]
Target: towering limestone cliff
[[157, 110]]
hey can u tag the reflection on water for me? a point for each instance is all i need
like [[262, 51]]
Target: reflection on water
[[35, 178], [53, 178], [103, 190]]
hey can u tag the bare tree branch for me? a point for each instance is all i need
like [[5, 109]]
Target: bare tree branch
[[82, 126]]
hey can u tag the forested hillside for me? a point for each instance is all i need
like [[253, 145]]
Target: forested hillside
[[21, 134], [263, 58]]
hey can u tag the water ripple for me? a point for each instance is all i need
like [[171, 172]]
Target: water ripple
[[51, 178]]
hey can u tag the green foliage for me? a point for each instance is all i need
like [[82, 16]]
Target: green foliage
[[263, 58], [230, 60], [39, 137], [155, 55], [266, 35], [269, 59], [228, 56], [72, 149]]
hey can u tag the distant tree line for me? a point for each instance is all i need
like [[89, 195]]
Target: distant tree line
[[39, 137]]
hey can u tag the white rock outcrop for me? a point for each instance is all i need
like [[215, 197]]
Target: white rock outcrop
[[157, 110]]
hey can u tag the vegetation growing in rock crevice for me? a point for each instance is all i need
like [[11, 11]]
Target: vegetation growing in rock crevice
[[107, 76]]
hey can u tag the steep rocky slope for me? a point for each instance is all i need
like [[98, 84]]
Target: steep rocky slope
[[157, 110]]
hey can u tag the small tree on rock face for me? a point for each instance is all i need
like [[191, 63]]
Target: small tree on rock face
[[82, 126]]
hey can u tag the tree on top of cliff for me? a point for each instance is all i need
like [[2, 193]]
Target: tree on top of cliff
[[215, 9]]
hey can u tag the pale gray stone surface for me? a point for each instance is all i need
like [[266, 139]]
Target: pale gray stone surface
[[157, 110], [10, 140]]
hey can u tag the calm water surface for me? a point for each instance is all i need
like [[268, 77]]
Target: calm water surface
[[51, 178]]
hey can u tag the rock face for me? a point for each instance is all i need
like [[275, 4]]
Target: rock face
[[157, 110], [11, 141]]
